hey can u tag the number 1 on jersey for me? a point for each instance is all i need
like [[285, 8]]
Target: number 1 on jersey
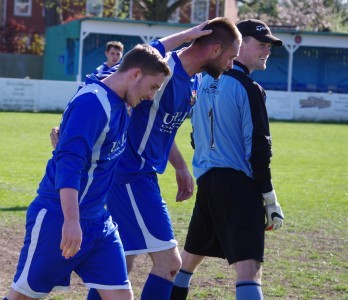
[[211, 119]]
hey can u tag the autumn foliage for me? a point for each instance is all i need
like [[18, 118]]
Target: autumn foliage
[[16, 38]]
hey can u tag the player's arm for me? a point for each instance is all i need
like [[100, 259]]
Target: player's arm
[[54, 136], [257, 135], [183, 177], [73, 153], [71, 230], [175, 40]]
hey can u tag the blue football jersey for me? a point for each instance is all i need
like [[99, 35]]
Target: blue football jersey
[[152, 130], [101, 69], [91, 140]]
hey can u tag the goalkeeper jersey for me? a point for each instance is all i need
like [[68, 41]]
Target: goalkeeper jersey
[[231, 128]]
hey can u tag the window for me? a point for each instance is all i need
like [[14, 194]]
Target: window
[[174, 18], [95, 7], [199, 11], [22, 8]]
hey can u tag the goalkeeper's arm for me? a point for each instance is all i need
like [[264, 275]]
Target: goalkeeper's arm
[[274, 214]]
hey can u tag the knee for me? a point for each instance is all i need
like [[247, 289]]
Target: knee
[[175, 265], [249, 270], [167, 268]]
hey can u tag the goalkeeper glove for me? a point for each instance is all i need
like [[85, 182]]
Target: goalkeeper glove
[[274, 214]]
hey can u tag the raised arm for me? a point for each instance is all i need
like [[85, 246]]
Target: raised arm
[[175, 40]]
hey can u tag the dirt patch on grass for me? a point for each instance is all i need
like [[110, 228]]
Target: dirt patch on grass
[[12, 239], [298, 265]]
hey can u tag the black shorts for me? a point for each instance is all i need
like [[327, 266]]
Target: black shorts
[[228, 219]]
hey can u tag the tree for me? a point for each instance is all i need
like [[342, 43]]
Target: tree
[[9, 36], [59, 11], [340, 10], [311, 15], [16, 38], [307, 15], [56, 11], [53, 12], [160, 10], [264, 10]]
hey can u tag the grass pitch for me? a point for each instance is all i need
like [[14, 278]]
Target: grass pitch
[[306, 259]]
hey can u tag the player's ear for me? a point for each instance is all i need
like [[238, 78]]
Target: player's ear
[[216, 49], [135, 73]]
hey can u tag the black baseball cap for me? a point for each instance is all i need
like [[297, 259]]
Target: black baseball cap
[[258, 30]]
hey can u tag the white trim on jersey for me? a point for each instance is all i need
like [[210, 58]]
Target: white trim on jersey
[[154, 108], [102, 97]]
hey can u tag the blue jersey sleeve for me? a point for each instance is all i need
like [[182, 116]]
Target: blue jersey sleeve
[[159, 46], [81, 125]]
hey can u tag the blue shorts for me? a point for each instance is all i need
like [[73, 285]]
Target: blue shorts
[[42, 268], [141, 215]]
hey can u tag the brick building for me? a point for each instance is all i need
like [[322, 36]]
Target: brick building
[[31, 13]]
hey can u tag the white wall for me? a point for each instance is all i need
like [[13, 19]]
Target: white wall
[[35, 95], [307, 106], [49, 95]]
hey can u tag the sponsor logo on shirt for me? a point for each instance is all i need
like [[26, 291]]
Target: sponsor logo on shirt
[[117, 147], [172, 122], [212, 89]]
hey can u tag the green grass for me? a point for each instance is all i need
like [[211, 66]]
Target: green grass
[[306, 259]]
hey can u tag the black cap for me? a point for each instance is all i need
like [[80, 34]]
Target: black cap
[[258, 30]]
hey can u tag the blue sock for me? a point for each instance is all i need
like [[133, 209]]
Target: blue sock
[[93, 295], [248, 290], [156, 288], [183, 279]]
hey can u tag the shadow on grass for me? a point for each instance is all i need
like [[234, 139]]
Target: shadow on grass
[[15, 208]]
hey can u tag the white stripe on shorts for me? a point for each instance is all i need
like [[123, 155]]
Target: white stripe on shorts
[[153, 244], [22, 285]]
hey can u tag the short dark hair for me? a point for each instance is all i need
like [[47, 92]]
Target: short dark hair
[[145, 57], [114, 44], [224, 33]]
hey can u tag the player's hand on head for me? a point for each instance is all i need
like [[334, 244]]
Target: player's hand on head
[[71, 238], [54, 136], [185, 184], [274, 213], [196, 32]]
